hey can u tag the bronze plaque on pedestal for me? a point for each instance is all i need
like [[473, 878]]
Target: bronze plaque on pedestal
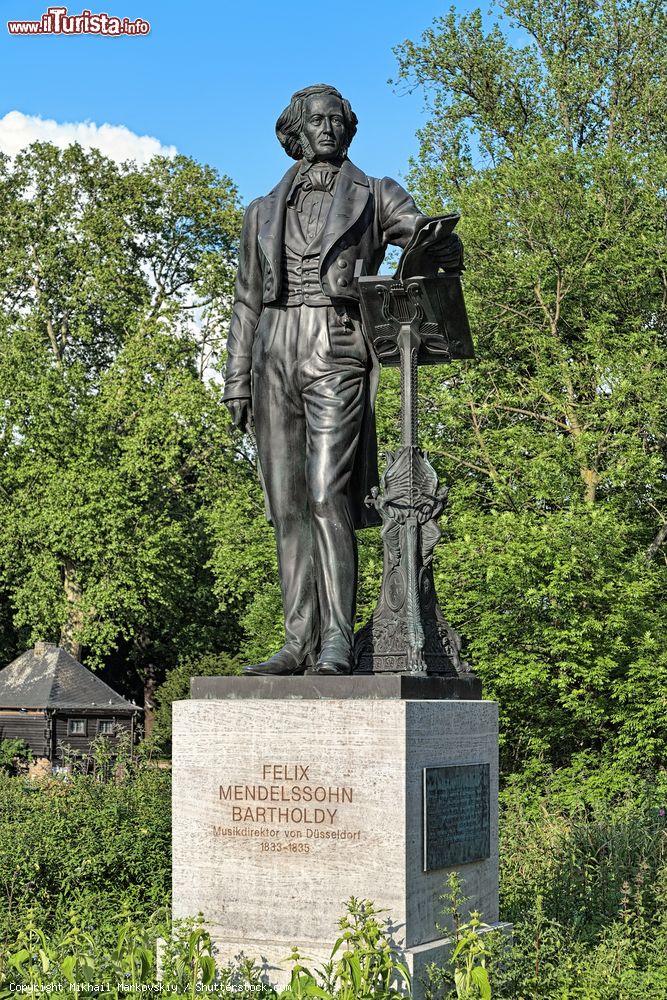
[[457, 827]]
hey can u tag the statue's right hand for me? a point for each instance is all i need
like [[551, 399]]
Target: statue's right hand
[[240, 411]]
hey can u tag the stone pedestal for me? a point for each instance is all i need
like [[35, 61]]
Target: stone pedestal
[[292, 795]]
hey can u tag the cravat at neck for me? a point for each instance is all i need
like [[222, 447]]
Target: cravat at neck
[[320, 177]]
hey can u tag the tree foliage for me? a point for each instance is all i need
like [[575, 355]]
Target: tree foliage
[[547, 132], [114, 288]]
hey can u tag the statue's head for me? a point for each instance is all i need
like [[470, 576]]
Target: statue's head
[[318, 124]]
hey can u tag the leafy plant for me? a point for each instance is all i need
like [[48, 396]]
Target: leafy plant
[[364, 964], [470, 952], [14, 754]]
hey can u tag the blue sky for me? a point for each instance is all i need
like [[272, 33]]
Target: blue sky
[[211, 78]]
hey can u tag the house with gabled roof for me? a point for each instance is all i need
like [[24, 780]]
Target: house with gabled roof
[[51, 701]]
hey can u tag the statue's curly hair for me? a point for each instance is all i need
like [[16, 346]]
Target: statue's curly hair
[[289, 125]]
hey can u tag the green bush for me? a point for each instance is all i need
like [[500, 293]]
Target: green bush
[[585, 889], [547, 960], [176, 687], [14, 754], [584, 865], [92, 845]]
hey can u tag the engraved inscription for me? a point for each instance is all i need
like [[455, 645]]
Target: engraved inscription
[[457, 806], [285, 805]]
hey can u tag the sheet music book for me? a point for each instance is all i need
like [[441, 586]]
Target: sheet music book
[[416, 260]]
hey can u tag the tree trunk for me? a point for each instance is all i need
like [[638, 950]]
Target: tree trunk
[[150, 687], [73, 594], [657, 543], [590, 478], [150, 676]]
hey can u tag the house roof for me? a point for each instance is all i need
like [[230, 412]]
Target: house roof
[[49, 677]]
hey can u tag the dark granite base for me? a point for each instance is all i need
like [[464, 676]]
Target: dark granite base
[[402, 687]]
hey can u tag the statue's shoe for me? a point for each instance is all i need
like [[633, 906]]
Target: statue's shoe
[[282, 664], [329, 667], [335, 658]]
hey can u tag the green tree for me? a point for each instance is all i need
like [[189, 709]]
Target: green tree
[[547, 131], [176, 687], [114, 286]]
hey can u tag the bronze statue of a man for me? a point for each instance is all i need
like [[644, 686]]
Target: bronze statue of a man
[[300, 367]]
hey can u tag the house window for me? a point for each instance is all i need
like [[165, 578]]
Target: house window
[[106, 727], [77, 727]]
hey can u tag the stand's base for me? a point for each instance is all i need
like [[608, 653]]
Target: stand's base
[[408, 632]]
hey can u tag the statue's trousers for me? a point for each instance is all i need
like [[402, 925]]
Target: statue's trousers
[[310, 385]]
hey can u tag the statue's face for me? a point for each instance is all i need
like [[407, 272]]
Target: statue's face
[[324, 126]]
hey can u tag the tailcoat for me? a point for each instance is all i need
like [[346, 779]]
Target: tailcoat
[[366, 215]]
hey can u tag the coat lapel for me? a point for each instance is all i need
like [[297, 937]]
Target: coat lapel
[[272, 221], [350, 199]]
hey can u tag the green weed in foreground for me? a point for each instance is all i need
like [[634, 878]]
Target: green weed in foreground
[[467, 968], [363, 965], [543, 961], [78, 962]]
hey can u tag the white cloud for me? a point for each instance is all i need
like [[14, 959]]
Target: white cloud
[[115, 141]]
